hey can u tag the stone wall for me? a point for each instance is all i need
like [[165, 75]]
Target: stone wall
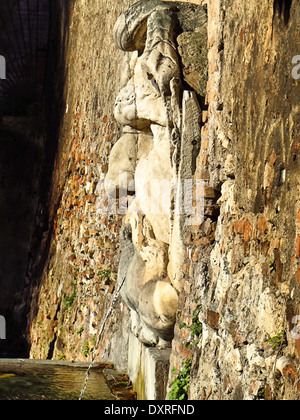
[[239, 291], [241, 265], [72, 293]]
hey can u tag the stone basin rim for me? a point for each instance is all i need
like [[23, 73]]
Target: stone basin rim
[[40, 363]]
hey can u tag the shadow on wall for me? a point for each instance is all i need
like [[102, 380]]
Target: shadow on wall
[[54, 110], [20, 158], [283, 8], [25, 183]]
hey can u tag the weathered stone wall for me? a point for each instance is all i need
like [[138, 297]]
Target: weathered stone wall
[[242, 264], [79, 251], [78, 279], [240, 277]]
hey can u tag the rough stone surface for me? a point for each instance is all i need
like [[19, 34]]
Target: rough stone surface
[[240, 265], [193, 51], [72, 295], [243, 270]]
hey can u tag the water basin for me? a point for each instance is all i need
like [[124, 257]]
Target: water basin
[[47, 380]]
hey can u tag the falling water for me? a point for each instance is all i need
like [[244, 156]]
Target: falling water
[[100, 336]]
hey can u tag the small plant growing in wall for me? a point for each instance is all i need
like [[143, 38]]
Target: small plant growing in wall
[[181, 383], [271, 265], [86, 349], [104, 274], [277, 341], [88, 346], [70, 299], [261, 393], [195, 328], [79, 331]]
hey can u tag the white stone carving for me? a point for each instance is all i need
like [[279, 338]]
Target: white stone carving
[[144, 162]]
